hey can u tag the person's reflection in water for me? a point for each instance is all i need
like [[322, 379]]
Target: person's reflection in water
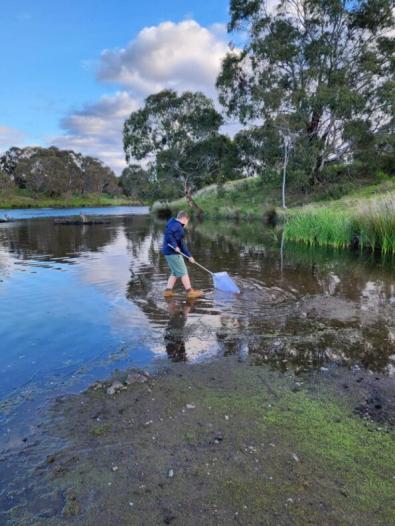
[[174, 332]]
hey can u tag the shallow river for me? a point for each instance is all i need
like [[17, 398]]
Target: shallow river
[[76, 302]]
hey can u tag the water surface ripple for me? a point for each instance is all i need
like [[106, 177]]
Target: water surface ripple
[[78, 301]]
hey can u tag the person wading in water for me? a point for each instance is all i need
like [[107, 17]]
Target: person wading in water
[[173, 244]]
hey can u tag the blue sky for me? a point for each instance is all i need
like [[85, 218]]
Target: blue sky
[[50, 56]]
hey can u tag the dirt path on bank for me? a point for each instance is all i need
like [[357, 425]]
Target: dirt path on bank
[[214, 444]]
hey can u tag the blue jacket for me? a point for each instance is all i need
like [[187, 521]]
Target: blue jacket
[[174, 235]]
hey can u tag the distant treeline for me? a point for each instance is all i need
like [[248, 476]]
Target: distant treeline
[[56, 173]]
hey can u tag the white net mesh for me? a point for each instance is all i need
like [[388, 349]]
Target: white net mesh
[[222, 281]]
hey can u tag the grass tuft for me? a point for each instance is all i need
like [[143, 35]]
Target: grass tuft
[[376, 225], [369, 224]]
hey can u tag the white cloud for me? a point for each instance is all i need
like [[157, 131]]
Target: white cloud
[[182, 56], [179, 56], [97, 129]]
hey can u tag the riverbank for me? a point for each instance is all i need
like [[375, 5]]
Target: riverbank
[[363, 218], [24, 199], [220, 443], [364, 222]]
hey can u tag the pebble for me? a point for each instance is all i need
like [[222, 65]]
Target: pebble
[[226, 417], [170, 473], [134, 378], [116, 386], [131, 504]]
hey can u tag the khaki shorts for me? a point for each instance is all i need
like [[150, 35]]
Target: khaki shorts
[[177, 265]]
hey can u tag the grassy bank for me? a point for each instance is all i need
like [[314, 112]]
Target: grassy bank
[[251, 198], [363, 221], [24, 199], [363, 217], [233, 200]]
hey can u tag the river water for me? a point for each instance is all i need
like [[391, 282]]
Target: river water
[[77, 302]]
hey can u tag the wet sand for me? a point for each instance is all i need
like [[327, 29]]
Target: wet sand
[[209, 444]]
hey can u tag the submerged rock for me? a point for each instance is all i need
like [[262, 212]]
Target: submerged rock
[[72, 506]]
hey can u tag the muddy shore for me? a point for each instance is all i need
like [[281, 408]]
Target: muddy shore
[[210, 444]]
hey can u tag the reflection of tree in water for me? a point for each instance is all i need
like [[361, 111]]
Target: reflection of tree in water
[[137, 230], [41, 238], [139, 291], [145, 242], [232, 337], [175, 330]]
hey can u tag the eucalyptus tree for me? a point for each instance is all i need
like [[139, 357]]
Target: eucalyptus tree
[[176, 135], [328, 65], [55, 172]]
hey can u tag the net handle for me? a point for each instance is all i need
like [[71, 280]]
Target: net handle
[[188, 257]]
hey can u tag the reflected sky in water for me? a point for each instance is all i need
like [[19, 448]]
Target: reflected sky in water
[[34, 213], [78, 301]]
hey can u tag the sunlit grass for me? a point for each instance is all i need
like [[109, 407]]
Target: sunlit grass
[[368, 223], [320, 226], [375, 224]]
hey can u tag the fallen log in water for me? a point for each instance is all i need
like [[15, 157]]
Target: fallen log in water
[[80, 222]]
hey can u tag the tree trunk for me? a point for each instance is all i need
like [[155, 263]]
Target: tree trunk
[[190, 201], [312, 130], [284, 173], [320, 162]]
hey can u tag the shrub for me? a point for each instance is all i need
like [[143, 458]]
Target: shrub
[[375, 225]]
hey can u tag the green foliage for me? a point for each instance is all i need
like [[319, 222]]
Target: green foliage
[[179, 135], [138, 183], [321, 73], [53, 172], [6, 183], [169, 122], [259, 149]]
